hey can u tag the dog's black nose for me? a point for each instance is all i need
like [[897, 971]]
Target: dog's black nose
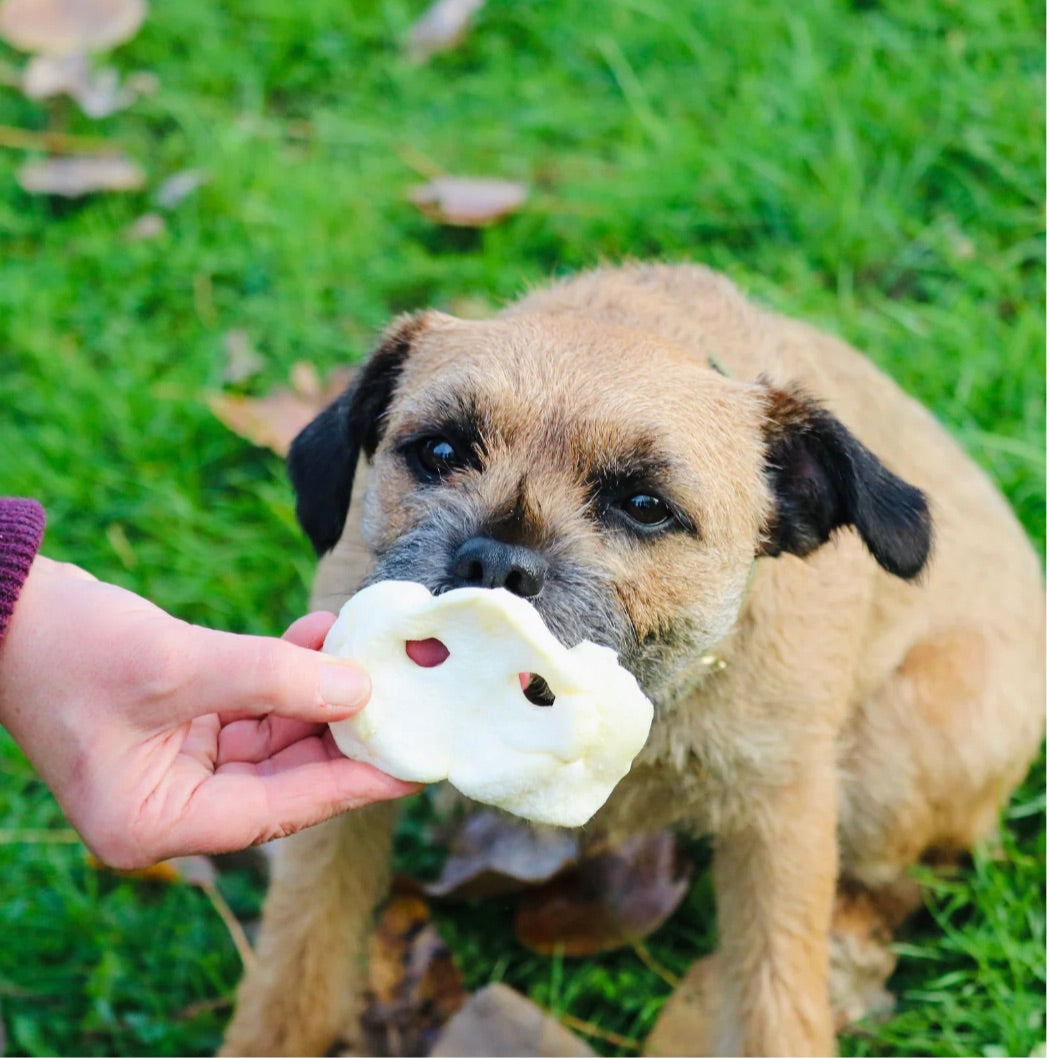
[[485, 563]]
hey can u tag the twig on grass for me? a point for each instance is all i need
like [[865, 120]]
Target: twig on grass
[[654, 965], [57, 142], [202, 1006], [232, 924], [421, 163], [589, 1029]]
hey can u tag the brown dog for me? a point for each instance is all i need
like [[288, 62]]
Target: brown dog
[[665, 468]]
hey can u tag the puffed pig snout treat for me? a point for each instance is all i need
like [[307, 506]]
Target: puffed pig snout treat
[[470, 686]]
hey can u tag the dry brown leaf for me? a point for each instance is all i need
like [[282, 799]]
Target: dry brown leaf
[[273, 421], [162, 872], [60, 27], [51, 75], [175, 189], [498, 1022], [143, 83], [468, 202], [442, 26], [97, 91], [195, 870], [242, 360], [82, 175], [415, 985], [493, 853], [305, 380], [147, 226], [614, 897]]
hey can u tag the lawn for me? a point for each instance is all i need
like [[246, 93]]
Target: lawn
[[874, 167]]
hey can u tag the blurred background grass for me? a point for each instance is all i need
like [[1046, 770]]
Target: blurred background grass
[[875, 167]]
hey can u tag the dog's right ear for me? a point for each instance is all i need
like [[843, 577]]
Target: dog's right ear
[[823, 478], [323, 457]]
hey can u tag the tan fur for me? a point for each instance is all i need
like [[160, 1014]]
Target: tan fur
[[861, 722]]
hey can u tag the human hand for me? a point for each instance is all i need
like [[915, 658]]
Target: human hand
[[161, 738]]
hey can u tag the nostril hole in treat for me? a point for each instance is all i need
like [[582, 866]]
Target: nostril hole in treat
[[535, 689], [428, 653]]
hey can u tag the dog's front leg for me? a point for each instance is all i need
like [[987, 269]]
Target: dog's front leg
[[305, 987], [775, 878]]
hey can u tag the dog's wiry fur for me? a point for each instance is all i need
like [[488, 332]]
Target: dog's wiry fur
[[876, 707]]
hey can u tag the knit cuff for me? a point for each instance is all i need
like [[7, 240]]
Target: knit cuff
[[21, 530]]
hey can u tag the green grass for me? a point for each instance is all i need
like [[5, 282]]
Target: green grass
[[875, 167]]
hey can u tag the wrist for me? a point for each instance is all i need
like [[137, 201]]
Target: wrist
[[21, 530]]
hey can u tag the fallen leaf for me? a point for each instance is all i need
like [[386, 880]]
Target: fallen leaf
[[97, 91], [143, 83], [305, 380], [82, 175], [614, 897], [175, 189], [59, 27], [493, 853], [194, 870], [50, 75], [147, 226], [273, 421], [242, 360], [103, 94], [686, 1018], [441, 27], [162, 872], [415, 985], [467, 201], [498, 1022]]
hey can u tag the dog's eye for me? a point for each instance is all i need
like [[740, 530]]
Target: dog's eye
[[646, 510], [436, 457]]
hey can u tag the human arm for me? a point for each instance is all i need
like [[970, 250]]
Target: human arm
[[160, 738]]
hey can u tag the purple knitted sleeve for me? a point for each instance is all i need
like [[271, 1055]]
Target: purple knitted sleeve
[[21, 530]]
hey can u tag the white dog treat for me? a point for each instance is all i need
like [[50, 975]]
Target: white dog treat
[[458, 694]]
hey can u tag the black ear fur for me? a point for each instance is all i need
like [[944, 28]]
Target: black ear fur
[[823, 478], [323, 457]]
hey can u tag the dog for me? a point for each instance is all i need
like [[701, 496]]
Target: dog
[[837, 617]]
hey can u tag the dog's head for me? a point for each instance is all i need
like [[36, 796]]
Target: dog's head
[[621, 485]]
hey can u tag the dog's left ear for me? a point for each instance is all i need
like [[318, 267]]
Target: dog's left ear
[[823, 478], [323, 457]]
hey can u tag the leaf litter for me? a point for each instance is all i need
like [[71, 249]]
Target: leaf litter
[[60, 36], [617, 895], [97, 92], [468, 202], [497, 1021], [493, 854], [415, 985], [64, 27], [274, 420], [441, 27], [74, 177]]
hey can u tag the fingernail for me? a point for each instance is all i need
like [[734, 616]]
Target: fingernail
[[344, 686]]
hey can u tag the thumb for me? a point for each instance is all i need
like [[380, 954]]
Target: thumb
[[240, 676]]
